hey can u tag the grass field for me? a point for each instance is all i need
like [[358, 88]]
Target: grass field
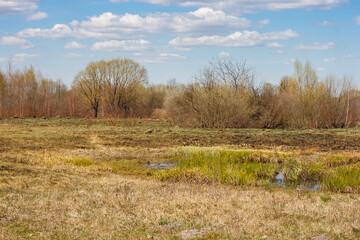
[[89, 179]]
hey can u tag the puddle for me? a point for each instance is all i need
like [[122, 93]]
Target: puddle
[[161, 166], [280, 181]]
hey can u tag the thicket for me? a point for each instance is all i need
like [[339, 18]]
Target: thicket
[[222, 95]]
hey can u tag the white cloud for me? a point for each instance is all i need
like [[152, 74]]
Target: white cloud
[[251, 6], [263, 23], [23, 57], [37, 16], [15, 41], [3, 59], [25, 7], [197, 22], [316, 46], [161, 58], [63, 31], [237, 39], [127, 45], [74, 23], [18, 6], [348, 56], [172, 56], [74, 45], [327, 23], [224, 55], [72, 55], [357, 20], [130, 26], [320, 69], [274, 45], [328, 60]]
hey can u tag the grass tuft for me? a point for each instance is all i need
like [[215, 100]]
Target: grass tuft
[[80, 161]]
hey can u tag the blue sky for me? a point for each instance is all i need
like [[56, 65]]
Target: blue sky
[[175, 39]]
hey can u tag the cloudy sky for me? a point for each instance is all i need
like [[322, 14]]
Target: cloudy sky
[[176, 38]]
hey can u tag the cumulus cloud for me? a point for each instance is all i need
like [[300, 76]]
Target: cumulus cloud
[[112, 26], [18, 6], [251, 6], [37, 16], [15, 41], [328, 60], [63, 31], [316, 46], [237, 39], [126, 45], [74, 45], [197, 22], [357, 20], [25, 7]]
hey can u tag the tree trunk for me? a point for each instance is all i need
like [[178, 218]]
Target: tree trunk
[[95, 112]]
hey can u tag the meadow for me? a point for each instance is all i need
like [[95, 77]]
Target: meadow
[[85, 178]]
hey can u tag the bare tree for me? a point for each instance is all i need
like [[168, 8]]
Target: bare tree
[[89, 84], [233, 73], [219, 97], [123, 78]]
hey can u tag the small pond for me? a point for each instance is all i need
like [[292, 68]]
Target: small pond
[[280, 181], [161, 166]]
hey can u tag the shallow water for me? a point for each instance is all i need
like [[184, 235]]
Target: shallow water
[[280, 181], [161, 166]]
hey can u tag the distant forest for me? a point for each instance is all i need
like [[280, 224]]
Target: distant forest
[[222, 95]]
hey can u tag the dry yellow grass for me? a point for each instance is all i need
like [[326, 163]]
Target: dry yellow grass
[[43, 203], [94, 190]]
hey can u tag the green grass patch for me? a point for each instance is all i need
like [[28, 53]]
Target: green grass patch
[[80, 161], [234, 167], [259, 168], [343, 179]]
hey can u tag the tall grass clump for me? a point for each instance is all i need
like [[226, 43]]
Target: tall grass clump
[[80, 161], [224, 166], [343, 179]]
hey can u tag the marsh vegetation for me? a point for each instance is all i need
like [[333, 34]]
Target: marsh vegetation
[[92, 179]]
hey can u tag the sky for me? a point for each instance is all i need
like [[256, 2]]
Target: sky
[[177, 38]]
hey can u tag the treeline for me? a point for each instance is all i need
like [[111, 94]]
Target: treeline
[[26, 93], [222, 95]]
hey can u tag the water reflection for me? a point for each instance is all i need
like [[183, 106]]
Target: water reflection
[[161, 166], [280, 181]]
